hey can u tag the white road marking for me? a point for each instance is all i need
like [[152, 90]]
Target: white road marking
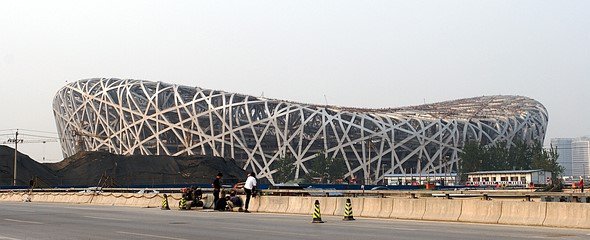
[[267, 231], [8, 238], [22, 221], [149, 235], [20, 210], [107, 218]]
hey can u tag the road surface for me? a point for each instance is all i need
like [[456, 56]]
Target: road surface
[[60, 221]]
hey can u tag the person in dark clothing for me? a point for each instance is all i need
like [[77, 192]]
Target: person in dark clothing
[[216, 189], [197, 196], [221, 203]]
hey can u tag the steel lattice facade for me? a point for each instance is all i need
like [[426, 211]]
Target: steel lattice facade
[[155, 118]]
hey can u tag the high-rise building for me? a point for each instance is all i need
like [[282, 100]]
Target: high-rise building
[[564, 149], [580, 157]]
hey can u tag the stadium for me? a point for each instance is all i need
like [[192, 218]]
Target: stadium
[[130, 117]]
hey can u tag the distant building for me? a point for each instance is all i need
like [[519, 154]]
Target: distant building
[[448, 179], [511, 178], [574, 155], [580, 157], [564, 149]]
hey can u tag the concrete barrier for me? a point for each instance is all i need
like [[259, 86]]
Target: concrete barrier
[[480, 211], [61, 198], [307, 205], [442, 209], [155, 201], [119, 200], [263, 205], [576, 215], [276, 204], [84, 198], [371, 207], [405, 208], [254, 204], [323, 205], [146, 199], [333, 206], [386, 207], [523, 213], [99, 199], [50, 197], [295, 204], [38, 197], [357, 203], [132, 200]]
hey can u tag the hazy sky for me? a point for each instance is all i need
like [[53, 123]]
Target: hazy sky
[[356, 53]]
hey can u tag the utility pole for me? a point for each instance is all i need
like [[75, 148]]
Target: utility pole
[[369, 161], [16, 141]]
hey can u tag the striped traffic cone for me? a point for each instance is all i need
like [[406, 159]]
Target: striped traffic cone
[[182, 204], [165, 205], [317, 216], [348, 211]]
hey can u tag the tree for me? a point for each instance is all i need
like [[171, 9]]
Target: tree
[[547, 160], [285, 169], [327, 169], [504, 156]]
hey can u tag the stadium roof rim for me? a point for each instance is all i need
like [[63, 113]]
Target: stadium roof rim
[[492, 106]]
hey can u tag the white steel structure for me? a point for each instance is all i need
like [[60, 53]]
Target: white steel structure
[[143, 117]]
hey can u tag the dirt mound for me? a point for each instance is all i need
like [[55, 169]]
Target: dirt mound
[[106, 169], [110, 170], [27, 169]]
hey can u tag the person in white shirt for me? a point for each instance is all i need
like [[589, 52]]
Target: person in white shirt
[[249, 187]]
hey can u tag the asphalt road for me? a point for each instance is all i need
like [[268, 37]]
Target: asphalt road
[[59, 221]]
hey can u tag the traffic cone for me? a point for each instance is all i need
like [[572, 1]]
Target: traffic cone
[[165, 205], [348, 211], [182, 204], [317, 216]]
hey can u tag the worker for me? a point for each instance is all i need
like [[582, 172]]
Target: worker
[[221, 203], [216, 189], [235, 201], [249, 187], [197, 196]]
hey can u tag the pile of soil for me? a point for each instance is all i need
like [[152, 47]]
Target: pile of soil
[[111, 170], [27, 169]]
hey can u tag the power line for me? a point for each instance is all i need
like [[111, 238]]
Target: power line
[[41, 136], [38, 131]]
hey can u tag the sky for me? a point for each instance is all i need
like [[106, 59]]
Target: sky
[[372, 54]]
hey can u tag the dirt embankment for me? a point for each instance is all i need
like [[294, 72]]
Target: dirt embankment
[[106, 169]]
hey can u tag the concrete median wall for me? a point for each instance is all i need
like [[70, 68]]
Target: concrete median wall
[[442, 209], [576, 215], [480, 211], [371, 207], [404, 208], [333, 206], [254, 205], [386, 207], [523, 213], [275, 204], [552, 214]]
